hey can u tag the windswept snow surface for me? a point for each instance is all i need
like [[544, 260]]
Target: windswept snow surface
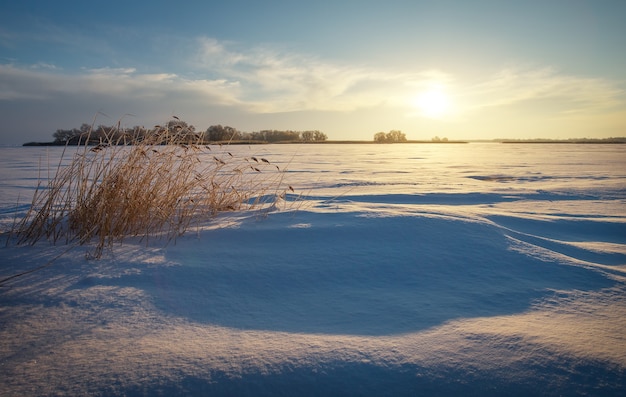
[[400, 270]]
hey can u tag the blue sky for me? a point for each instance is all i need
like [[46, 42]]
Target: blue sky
[[460, 69]]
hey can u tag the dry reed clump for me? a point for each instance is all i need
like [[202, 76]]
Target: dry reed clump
[[158, 186]]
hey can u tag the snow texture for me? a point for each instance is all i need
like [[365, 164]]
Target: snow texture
[[393, 270]]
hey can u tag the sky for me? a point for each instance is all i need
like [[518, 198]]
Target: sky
[[458, 69]]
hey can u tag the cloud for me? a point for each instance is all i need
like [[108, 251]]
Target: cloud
[[22, 84], [263, 79], [568, 94], [274, 81], [212, 81], [44, 65], [34, 83]]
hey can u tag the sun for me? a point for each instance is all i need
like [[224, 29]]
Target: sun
[[432, 103]]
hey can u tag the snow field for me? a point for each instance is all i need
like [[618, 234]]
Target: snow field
[[475, 269]]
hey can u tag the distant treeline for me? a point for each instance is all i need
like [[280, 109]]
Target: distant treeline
[[178, 131]]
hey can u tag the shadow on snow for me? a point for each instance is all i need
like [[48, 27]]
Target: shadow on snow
[[350, 274]]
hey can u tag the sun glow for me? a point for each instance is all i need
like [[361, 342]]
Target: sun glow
[[432, 103]]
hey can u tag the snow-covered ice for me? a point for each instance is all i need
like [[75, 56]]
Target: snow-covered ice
[[413, 269]]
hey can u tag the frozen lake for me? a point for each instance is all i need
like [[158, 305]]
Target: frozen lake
[[407, 269]]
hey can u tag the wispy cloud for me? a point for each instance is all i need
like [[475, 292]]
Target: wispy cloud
[[570, 94], [263, 79], [44, 83], [45, 66], [274, 81], [22, 84]]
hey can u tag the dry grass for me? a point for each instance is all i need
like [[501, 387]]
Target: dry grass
[[155, 187]]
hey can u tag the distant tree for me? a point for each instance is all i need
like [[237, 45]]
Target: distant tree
[[135, 134], [85, 128], [392, 136], [276, 136], [181, 130], [219, 133], [72, 136], [312, 136], [246, 136], [307, 136], [63, 136], [380, 137], [104, 133], [319, 136], [396, 136]]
